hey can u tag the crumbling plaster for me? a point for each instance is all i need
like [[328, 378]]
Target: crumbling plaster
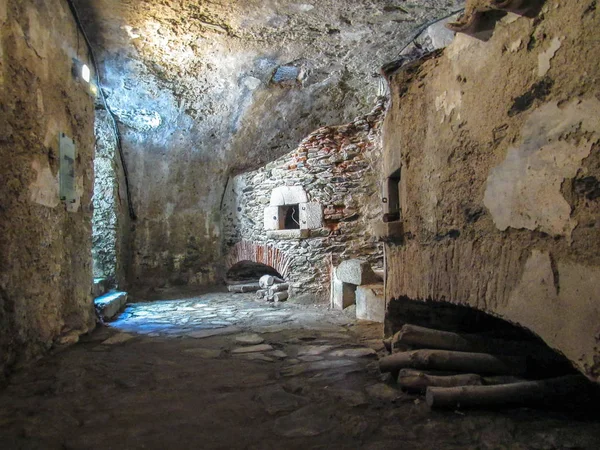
[[190, 83], [45, 269], [498, 142]]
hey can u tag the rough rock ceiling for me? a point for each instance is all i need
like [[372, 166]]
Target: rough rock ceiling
[[196, 74]]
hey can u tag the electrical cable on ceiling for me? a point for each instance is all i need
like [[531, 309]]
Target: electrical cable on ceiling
[[108, 110], [426, 25]]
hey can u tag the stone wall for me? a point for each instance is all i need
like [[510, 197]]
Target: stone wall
[[46, 264], [498, 142], [199, 95], [334, 166], [111, 217]]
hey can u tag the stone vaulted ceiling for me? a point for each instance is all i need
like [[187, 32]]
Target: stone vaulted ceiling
[[194, 76]]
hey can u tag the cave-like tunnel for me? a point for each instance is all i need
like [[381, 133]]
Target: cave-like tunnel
[[336, 224]]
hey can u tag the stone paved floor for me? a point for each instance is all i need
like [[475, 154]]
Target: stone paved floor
[[222, 371]]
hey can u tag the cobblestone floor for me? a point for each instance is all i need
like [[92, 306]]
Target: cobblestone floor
[[223, 371]]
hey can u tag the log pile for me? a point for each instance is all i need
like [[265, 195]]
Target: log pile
[[272, 289], [465, 370]]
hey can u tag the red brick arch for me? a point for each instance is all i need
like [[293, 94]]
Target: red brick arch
[[259, 253]]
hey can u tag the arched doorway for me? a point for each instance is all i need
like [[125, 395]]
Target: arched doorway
[[244, 272]]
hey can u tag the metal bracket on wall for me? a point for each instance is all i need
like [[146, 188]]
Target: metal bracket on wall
[[67, 155]]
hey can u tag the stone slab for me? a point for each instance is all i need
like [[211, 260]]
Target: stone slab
[[249, 339], [311, 215], [288, 195], [271, 218], [342, 294], [356, 272], [288, 234], [99, 287], [109, 305], [252, 349], [370, 303]]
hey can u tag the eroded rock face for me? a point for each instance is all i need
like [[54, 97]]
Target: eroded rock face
[[499, 176], [205, 90]]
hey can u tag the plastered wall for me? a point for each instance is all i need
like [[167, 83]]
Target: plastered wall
[[45, 245], [498, 142]]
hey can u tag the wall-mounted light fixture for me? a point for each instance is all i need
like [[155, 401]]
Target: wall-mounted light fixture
[[81, 71], [85, 73]]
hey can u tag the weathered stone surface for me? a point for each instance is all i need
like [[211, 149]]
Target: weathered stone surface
[[110, 221], [214, 332], [370, 303], [342, 294], [288, 195], [278, 354], [492, 213], [252, 349], [355, 271], [109, 305], [190, 86], [353, 353], [254, 357], [249, 339], [313, 350], [336, 174], [99, 287], [288, 234], [46, 266]]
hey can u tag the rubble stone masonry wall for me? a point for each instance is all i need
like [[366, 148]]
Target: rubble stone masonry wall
[[334, 165]]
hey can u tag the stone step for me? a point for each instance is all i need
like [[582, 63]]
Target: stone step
[[100, 287], [109, 305]]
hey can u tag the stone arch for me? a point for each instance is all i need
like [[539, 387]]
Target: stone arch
[[259, 253]]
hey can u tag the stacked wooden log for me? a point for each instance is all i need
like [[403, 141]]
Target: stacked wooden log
[[460, 370], [272, 289]]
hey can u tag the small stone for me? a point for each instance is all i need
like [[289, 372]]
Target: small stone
[[70, 338], [249, 339], [278, 354], [252, 349], [313, 350], [354, 353]]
